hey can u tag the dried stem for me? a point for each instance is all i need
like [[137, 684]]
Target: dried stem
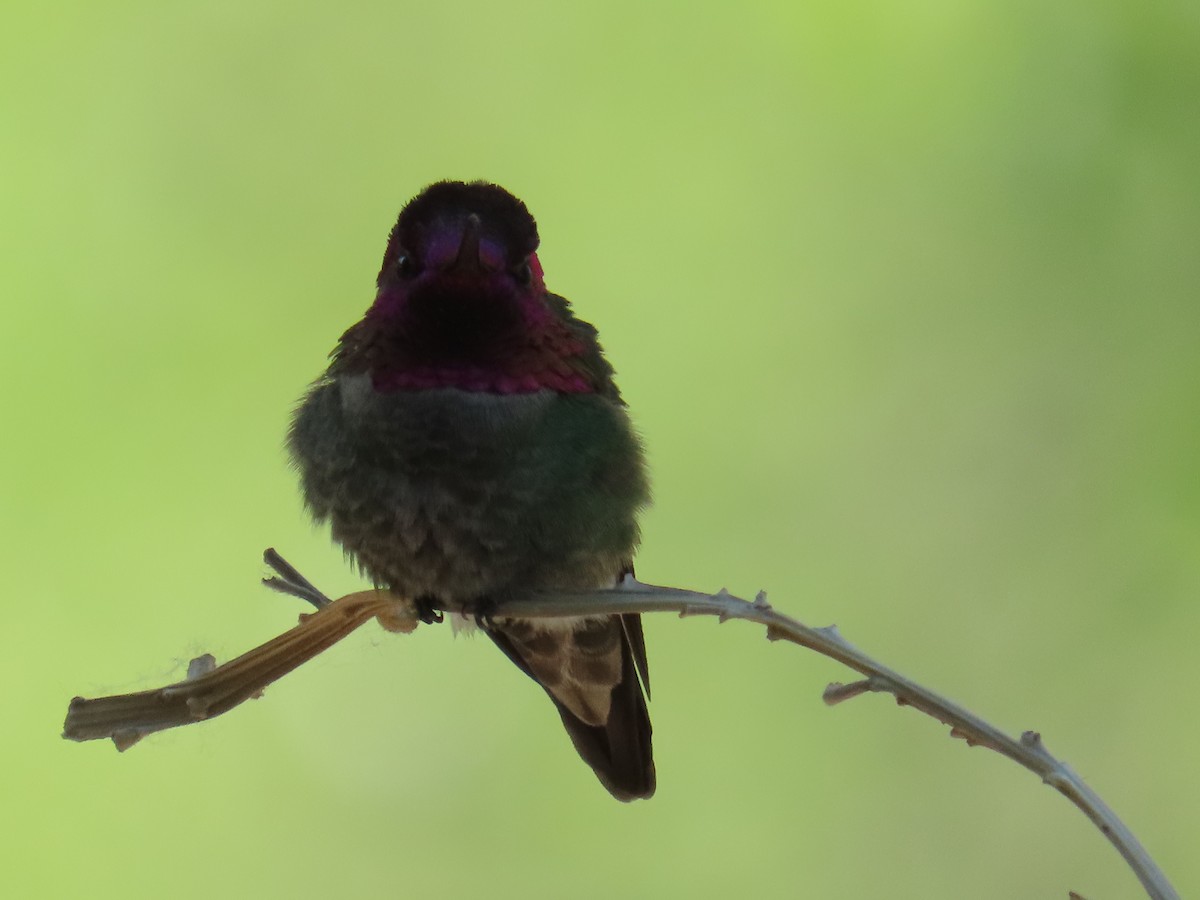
[[126, 718]]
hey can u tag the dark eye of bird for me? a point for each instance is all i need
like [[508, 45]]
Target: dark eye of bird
[[404, 265], [523, 274]]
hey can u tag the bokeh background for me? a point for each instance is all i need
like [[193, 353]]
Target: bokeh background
[[903, 298]]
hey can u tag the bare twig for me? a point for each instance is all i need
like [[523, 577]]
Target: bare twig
[[289, 581], [126, 718], [1028, 750]]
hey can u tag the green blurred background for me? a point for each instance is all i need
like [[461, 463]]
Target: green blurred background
[[903, 298]]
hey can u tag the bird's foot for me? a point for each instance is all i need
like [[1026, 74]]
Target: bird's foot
[[483, 610], [427, 610]]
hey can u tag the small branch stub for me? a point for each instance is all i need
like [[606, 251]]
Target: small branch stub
[[837, 692]]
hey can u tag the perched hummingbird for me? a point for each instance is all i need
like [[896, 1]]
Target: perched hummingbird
[[468, 441]]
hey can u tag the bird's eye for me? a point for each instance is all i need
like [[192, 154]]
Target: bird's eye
[[523, 274], [404, 265]]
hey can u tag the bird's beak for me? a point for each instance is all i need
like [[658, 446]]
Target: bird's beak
[[467, 262]]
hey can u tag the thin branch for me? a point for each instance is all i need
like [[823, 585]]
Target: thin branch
[[127, 718], [1028, 750]]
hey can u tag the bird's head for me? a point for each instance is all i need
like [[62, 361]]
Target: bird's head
[[461, 301]]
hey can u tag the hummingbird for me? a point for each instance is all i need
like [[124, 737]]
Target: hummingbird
[[468, 441]]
